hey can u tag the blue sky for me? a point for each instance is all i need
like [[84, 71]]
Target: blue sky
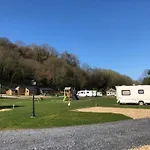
[[110, 34]]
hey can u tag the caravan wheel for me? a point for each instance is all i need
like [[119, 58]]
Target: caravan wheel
[[141, 103]]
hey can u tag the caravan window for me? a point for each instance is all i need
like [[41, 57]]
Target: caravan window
[[141, 91], [126, 92]]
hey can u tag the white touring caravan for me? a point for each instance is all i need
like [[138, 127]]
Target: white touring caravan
[[136, 94], [88, 93]]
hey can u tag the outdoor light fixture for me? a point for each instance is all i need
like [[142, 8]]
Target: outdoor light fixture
[[0, 91], [33, 100]]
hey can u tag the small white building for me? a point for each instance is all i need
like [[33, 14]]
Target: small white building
[[111, 92]]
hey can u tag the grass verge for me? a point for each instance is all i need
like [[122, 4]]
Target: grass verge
[[54, 113]]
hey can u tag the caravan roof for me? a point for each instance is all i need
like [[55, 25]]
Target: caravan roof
[[133, 86], [67, 88]]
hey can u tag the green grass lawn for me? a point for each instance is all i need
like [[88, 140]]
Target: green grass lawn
[[53, 112]]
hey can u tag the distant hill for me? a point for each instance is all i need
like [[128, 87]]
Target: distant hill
[[20, 63]]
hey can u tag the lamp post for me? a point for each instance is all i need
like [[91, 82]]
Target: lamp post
[[33, 104], [0, 91]]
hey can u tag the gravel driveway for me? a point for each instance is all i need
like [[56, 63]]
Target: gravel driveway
[[130, 112], [107, 136]]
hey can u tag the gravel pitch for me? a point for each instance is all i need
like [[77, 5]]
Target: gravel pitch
[[131, 112], [120, 135]]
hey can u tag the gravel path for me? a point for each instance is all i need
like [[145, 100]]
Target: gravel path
[[146, 147], [131, 112], [120, 135]]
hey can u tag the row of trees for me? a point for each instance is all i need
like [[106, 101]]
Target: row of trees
[[20, 63], [145, 78]]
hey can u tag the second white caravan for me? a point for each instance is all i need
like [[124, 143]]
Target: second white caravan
[[136, 94], [88, 93]]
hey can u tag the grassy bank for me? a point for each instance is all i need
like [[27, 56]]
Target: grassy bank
[[54, 112]]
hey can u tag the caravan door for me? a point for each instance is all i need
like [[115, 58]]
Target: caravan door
[[94, 93]]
